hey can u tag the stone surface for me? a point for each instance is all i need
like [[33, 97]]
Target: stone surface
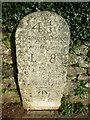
[[84, 77], [69, 88], [42, 41], [71, 59], [88, 71], [79, 57], [71, 71], [80, 70], [82, 51], [77, 98]]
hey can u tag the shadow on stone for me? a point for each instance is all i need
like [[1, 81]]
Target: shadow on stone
[[14, 61]]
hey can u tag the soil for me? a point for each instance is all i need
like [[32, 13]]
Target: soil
[[14, 111]]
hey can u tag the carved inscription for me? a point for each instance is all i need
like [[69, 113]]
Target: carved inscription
[[38, 27], [53, 57], [46, 27], [42, 92], [32, 58]]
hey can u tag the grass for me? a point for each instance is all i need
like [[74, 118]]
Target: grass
[[6, 39], [68, 108], [74, 46], [80, 88], [80, 108]]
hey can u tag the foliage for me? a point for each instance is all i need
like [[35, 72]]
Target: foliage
[[12, 89], [5, 64], [80, 108], [74, 46], [3, 90], [18, 105], [80, 88], [4, 75], [88, 55], [6, 39], [76, 15], [68, 108]]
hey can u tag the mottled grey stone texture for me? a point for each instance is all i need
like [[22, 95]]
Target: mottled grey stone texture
[[42, 42]]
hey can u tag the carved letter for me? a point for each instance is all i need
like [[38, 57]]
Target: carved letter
[[52, 59]]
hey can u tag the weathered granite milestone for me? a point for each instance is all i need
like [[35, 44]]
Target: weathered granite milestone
[[42, 41]]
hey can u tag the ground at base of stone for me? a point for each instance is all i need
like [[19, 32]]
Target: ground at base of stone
[[13, 112]]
